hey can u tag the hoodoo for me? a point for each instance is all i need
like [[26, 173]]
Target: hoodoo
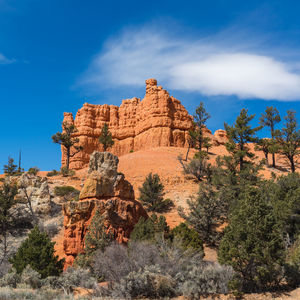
[[105, 190]]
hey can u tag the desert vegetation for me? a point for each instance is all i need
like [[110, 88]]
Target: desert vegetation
[[252, 222]]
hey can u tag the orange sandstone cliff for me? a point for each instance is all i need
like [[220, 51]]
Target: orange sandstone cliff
[[105, 190], [159, 120]]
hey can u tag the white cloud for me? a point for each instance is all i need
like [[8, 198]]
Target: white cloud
[[216, 65], [5, 61]]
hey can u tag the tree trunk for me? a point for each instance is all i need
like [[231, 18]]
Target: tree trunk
[[187, 153], [266, 157], [293, 169], [68, 158], [273, 160]]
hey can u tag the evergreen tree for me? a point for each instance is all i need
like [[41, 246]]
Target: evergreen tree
[[252, 242], [205, 213], [152, 194], [198, 167], [67, 140], [38, 252], [239, 134], [284, 194], [7, 200], [270, 118], [206, 143], [289, 139], [97, 237], [10, 169], [189, 237], [196, 135], [264, 145], [150, 229], [105, 137]]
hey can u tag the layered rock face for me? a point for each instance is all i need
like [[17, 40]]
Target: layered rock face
[[158, 120], [106, 190]]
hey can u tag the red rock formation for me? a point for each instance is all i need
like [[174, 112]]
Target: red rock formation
[[159, 120], [106, 190], [221, 137]]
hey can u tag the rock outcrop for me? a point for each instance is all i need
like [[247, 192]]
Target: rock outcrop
[[159, 120], [106, 190]]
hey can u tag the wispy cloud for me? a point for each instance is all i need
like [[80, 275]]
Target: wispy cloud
[[223, 64], [5, 61]]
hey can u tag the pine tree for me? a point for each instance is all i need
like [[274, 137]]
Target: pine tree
[[196, 135], [289, 139], [7, 200], [152, 193], [67, 140], [38, 252], [105, 137], [10, 169], [239, 134], [205, 213], [252, 242], [97, 236], [264, 145], [270, 118], [206, 143]]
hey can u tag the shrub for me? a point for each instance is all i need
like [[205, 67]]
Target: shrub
[[38, 252], [199, 167], [33, 170], [11, 279], [292, 267], [148, 229], [97, 238], [204, 279], [52, 173], [158, 270], [189, 237], [75, 277], [65, 172], [51, 228], [150, 282], [31, 278], [151, 194], [66, 190]]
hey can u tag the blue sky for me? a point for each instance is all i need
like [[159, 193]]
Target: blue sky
[[56, 55]]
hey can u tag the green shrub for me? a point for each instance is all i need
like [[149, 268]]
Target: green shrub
[[38, 252], [189, 237], [52, 173], [65, 190], [148, 229], [33, 170], [65, 172]]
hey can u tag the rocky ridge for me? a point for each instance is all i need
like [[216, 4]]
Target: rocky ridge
[[159, 120]]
